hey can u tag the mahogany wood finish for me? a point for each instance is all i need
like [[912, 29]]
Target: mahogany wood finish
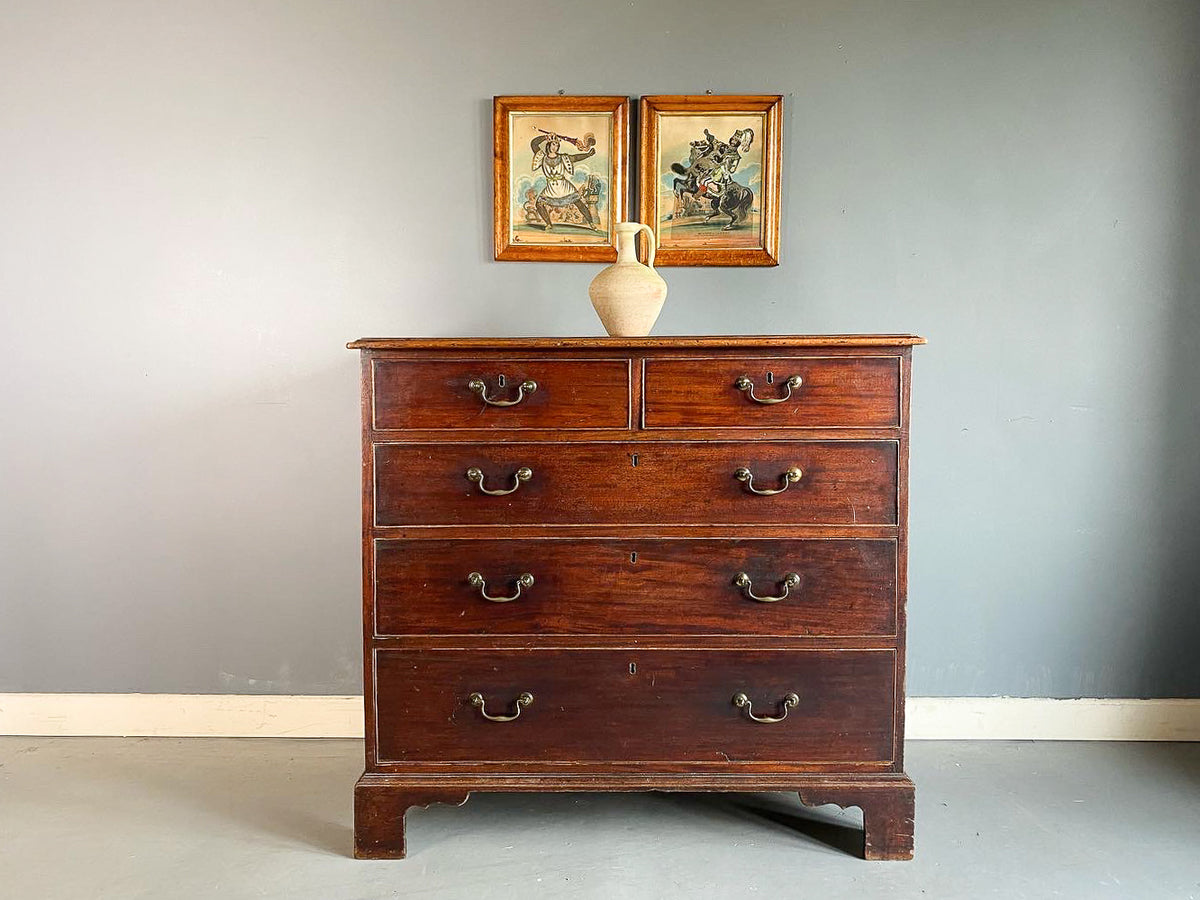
[[887, 807], [851, 483], [574, 394], [635, 587], [379, 816], [633, 638], [730, 346], [640, 706], [834, 392]]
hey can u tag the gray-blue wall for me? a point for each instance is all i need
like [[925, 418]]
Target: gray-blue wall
[[201, 201]]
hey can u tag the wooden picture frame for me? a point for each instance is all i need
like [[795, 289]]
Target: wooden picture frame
[[727, 149], [560, 177]]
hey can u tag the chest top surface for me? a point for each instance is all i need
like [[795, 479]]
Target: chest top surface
[[749, 342]]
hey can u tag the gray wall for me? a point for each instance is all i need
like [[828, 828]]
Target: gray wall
[[200, 202]]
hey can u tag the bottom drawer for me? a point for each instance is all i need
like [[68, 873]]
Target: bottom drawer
[[639, 706]]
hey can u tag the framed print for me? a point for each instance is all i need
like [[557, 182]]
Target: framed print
[[561, 168], [709, 178]]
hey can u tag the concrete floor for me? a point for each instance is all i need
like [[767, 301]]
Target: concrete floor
[[95, 818]]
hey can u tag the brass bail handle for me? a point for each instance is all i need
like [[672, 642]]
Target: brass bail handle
[[791, 476], [745, 385], [790, 580], [475, 579], [522, 474], [790, 700], [522, 701], [477, 386]]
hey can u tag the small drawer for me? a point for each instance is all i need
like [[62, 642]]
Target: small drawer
[[642, 483], [500, 393], [637, 706], [596, 586], [773, 392]]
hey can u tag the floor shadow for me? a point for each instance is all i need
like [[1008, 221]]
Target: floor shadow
[[496, 816], [784, 810]]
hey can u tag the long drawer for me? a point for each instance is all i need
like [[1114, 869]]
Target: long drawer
[[629, 586], [688, 483], [773, 392], [640, 706]]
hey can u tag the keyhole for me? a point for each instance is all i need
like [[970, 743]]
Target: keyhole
[[633, 556], [500, 380], [633, 668], [770, 378], [634, 460]]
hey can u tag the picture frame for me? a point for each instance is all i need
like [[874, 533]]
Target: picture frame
[[709, 178], [560, 175]]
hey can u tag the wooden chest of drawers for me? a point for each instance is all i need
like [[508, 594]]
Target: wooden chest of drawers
[[635, 564]]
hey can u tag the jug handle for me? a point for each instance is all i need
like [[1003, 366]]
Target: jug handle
[[650, 243]]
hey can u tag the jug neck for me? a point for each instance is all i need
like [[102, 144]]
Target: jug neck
[[626, 244]]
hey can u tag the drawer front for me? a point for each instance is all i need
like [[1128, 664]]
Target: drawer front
[[611, 586], [849, 392], [591, 393], [692, 483], [594, 706]]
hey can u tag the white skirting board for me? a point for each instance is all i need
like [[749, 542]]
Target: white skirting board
[[240, 715]]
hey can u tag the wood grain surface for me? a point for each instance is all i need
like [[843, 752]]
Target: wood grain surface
[[635, 705], [834, 392], [843, 482], [635, 587], [570, 394], [710, 342]]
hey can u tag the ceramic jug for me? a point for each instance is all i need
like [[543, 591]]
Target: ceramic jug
[[628, 296]]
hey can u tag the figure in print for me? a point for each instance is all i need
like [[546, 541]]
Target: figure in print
[[558, 168], [708, 176]]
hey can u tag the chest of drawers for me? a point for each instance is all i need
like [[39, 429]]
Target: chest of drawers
[[635, 564]]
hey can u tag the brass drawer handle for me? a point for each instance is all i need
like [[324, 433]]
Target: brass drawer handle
[[477, 386], [745, 385], [742, 580], [522, 474], [791, 476], [522, 701], [790, 699], [523, 581]]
